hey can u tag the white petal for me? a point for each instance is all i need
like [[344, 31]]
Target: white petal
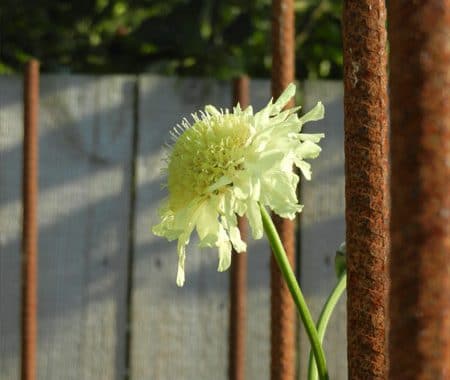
[[254, 218], [316, 113], [185, 218], [289, 115], [213, 111], [308, 149], [256, 188], [305, 167], [248, 111], [240, 207], [262, 116], [241, 190], [221, 182], [224, 256], [265, 161], [226, 204], [235, 237], [208, 226], [181, 260], [242, 187], [284, 98], [279, 193], [313, 137]]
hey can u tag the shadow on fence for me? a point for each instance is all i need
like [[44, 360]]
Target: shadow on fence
[[86, 185]]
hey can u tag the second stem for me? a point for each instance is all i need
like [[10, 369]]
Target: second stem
[[294, 288]]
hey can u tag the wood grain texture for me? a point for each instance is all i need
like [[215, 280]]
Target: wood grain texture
[[258, 298], [11, 138], [85, 158], [323, 223], [86, 148], [85, 143], [183, 332], [176, 332]]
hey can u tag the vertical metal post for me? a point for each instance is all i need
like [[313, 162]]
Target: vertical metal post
[[283, 313], [238, 280], [419, 305], [366, 185], [30, 229]]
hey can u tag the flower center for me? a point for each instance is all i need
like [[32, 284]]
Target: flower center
[[212, 148]]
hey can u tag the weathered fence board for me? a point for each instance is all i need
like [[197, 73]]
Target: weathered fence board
[[176, 333], [323, 223], [189, 324], [85, 181], [85, 158], [258, 299], [11, 137], [86, 138]]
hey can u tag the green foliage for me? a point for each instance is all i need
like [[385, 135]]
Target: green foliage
[[217, 38]]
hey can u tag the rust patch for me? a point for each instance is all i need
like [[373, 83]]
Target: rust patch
[[29, 222], [419, 339], [283, 313], [366, 186]]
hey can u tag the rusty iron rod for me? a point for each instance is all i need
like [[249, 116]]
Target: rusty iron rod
[[419, 304], [366, 185], [283, 314], [238, 273], [29, 226]]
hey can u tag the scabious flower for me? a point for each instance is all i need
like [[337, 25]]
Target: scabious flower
[[226, 163]]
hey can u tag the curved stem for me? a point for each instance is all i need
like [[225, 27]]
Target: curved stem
[[288, 274], [324, 318]]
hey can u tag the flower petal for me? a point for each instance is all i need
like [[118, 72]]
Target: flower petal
[[262, 117], [226, 164], [265, 161], [254, 219], [208, 226], [317, 113], [308, 149], [279, 192], [313, 137], [213, 111], [224, 256], [235, 237], [305, 168], [181, 259], [284, 98], [221, 182]]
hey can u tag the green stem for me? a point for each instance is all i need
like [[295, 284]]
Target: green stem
[[288, 274], [324, 318]]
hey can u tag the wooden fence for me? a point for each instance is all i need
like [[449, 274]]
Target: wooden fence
[[108, 304]]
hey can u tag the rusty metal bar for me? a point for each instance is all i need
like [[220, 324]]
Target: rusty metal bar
[[238, 273], [366, 185], [283, 313], [419, 339], [30, 228]]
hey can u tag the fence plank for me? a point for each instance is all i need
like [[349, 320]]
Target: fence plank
[[11, 137], [177, 332], [323, 223], [258, 298], [189, 324], [85, 158]]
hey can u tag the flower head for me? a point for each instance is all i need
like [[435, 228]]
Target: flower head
[[224, 164]]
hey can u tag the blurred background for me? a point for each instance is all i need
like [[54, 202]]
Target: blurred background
[[214, 38]]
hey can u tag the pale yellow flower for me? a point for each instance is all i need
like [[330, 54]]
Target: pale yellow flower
[[224, 164]]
